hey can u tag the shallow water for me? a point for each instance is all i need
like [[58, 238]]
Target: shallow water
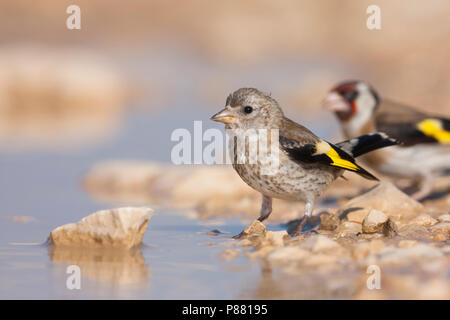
[[179, 260]]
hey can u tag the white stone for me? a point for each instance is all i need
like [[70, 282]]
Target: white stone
[[374, 221], [115, 228]]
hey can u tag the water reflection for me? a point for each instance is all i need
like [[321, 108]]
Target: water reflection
[[108, 266]]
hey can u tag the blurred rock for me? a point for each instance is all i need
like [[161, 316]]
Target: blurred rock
[[357, 215], [328, 221], [57, 97], [374, 221], [390, 229], [115, 228], [385, 197]]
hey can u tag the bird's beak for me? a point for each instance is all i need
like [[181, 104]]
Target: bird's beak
[[336, 103], [225, 116]]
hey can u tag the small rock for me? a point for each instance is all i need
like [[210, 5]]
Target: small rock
[[115, 228], [424, 220], [255, 229], [288, 254], [319, 243], [328, 221], [390, 229], [349, 229], [441, 227], [444, 217], [374, 221], [357, 215]]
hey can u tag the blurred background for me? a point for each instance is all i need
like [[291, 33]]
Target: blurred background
[[191, 54], [137, 70]]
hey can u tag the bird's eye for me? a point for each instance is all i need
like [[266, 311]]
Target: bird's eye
[[248, 109], [350, 95]]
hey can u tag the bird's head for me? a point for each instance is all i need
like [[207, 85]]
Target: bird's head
[[248, 108], [352, 101]]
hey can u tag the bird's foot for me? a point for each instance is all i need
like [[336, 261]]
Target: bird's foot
[[299, 231]]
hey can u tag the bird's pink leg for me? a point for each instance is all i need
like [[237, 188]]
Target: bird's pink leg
[[308, 212], [266, 209]]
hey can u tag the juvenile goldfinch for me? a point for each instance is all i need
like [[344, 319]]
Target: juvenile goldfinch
[[307, 164], [424, 152]]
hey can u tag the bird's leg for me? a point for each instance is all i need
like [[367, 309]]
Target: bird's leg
[[308, 212], [266, 209], [425, 187]]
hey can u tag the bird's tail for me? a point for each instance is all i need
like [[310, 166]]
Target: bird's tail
[[366, 143]]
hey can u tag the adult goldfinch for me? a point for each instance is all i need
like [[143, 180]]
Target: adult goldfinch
[[424, 152], [307, 165]]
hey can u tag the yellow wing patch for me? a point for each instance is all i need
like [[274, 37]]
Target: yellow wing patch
[[323, 147], [339, 162], [433, 128]]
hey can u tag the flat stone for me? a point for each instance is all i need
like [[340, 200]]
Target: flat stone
[[374, 221], [115, 228]]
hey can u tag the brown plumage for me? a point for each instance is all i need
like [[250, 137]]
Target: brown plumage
[[306, 164]]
